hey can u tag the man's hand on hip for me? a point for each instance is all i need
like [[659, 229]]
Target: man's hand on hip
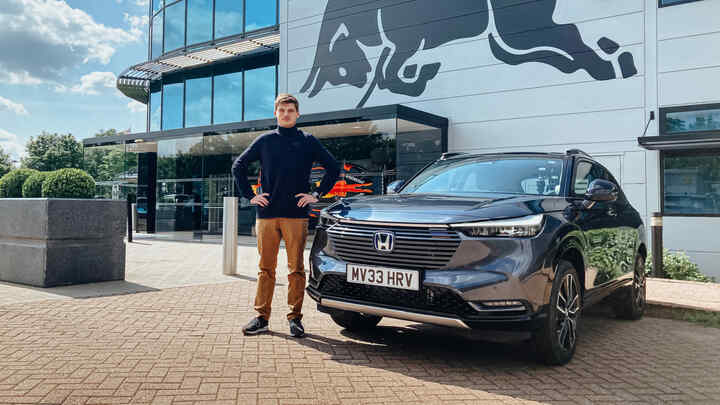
[[261, 200], [305, 199]]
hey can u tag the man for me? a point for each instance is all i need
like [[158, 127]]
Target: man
[[286, 158]]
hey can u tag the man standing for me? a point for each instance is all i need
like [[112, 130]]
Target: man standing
[[286, 158]]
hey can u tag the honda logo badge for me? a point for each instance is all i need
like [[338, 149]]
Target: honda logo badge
[[384, 241]]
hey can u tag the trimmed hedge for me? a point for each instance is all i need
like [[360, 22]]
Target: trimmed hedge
[[11, 183], [68, 183], [678, 266], [32, 188]]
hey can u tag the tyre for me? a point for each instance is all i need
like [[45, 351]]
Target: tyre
[[355, 321], [630, 302], [555, 341]]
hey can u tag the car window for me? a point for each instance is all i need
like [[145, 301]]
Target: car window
[[585, 173], [472, 176]]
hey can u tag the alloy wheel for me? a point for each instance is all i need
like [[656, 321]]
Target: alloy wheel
[[568, 308]]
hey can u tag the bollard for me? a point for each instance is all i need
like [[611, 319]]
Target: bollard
[[230, 235], [133, 209], [129, 220], [656, 226]]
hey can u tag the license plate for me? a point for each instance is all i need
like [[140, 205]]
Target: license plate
[[383, 276]]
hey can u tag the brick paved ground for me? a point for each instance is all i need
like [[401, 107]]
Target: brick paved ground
[[184, 345]]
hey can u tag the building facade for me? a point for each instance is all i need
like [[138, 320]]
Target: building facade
[[388, 85]]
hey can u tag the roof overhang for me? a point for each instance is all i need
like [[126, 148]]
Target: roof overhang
[[671, 142], [135, 81]]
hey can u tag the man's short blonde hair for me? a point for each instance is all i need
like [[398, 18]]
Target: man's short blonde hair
[[285, 98]]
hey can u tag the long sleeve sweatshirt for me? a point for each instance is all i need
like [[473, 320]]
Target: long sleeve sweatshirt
[[286, 158]]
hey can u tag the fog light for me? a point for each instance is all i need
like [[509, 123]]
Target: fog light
[[502, 303], [499, 306]]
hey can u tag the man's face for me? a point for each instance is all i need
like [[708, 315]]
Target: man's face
[[286, 115]]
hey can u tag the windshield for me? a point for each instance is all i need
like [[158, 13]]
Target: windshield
[[483, 175]]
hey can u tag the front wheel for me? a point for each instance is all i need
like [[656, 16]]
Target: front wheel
[[630, 302], [555, 341], [355, 321]]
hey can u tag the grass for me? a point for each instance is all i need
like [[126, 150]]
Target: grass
[[705, 318]]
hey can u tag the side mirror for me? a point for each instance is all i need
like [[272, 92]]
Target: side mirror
[[394, 186], [601, 191]]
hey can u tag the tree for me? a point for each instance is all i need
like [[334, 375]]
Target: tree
[[5, 163], [50, 152], [109, 132]]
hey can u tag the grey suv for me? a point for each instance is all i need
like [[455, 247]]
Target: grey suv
[[520, 241]]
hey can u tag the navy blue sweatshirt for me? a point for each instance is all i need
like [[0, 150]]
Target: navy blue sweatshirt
[[286, 158]]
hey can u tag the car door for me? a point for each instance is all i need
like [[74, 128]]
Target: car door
[[600, 223]]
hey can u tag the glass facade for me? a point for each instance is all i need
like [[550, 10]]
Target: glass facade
[[198, 101], [260, 93], [228, 98], [155, 110], [699, 120], [691, 183], [180, 182], [176, 24], [199, 21], [172, 106]]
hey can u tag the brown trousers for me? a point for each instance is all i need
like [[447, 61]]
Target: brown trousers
[[269, 233]]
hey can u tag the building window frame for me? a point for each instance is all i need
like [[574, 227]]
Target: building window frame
[[664, 3], [687, 108], [682, 153]]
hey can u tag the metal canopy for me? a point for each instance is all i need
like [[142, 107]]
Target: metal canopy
[[135, 81], [670, 142]]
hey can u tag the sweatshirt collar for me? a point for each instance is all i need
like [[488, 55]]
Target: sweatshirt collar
[[287, 131]]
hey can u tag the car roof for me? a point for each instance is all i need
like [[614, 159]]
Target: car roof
[[555, 155]]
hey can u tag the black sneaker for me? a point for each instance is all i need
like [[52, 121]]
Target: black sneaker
[[296, 328], [257, 325]]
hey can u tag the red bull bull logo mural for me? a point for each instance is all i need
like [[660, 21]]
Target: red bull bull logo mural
[[518, 31]]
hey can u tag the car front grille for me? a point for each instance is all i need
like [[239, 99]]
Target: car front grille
[[431, 299], [415, 248]]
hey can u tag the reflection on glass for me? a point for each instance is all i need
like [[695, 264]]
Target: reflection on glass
[[228, 98], [107, 165], [155, 110], [259, 93], [179, 184], [172, 113], [692, 121], [157, 36], [260, 14], [174, 26], [228, 17], [692, 184], [157, 5], [199, 21], [197, 103]]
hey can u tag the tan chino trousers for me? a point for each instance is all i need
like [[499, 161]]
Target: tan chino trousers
[[269, 233]]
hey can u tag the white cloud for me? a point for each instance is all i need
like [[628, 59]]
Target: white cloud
[[43, 39], [91, 83], [11, 145], [142, 3], [137, 22], [137, 107], [8, 105]]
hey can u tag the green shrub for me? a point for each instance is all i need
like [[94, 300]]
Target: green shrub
[[32, 188], [11, 183], [68, 183], [678, 266]]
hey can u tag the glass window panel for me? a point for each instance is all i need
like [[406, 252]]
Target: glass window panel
[[157, 36], [174, 26], [692, 184], [172, 109], [692, 121], [259, 93], [179, 184], [228, 17], [197, 101], [260, 14], [227, 103], [199, 21], [157, 5], [155, 110]]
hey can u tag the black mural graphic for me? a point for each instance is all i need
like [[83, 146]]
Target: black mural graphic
[[520, 31]]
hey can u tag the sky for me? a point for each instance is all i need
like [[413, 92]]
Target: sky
[[59, 60]]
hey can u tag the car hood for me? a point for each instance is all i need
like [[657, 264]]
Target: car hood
[[438, 209]]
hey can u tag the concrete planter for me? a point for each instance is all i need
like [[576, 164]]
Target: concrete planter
[[48, 242]]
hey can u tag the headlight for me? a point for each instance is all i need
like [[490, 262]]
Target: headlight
[[512, 228], [327, 220]]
